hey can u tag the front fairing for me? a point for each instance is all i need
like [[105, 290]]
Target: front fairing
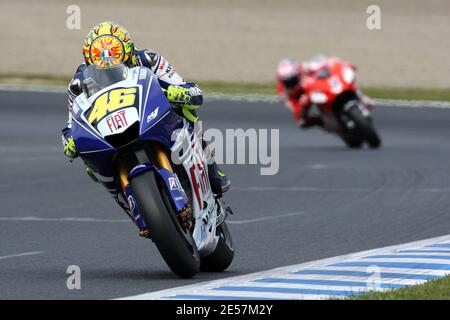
[[323, 91], [158, 119], [154, 115]]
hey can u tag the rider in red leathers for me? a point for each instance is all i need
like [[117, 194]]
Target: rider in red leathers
[[289, 85]]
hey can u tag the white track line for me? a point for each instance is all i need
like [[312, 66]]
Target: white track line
[[89, 219], [316, 189], [67, 219], [21, 255], [29, 149], [32, 158], [29, 182], [279, 216]]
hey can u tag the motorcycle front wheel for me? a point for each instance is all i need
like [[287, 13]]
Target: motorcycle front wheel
[[364, 127], [173, 241], [352, 141]]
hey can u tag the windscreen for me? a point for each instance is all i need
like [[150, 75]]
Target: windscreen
[[315, 63], [96, 79]]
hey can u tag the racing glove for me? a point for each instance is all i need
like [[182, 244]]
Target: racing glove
[[176, 94], [188, 99], [69, 148]]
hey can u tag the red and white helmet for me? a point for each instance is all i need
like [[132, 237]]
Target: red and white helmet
[[288, 72]]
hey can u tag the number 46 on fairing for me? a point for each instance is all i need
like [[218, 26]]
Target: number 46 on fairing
[[110, 101]]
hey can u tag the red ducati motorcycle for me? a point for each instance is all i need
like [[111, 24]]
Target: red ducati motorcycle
[[331, 88]]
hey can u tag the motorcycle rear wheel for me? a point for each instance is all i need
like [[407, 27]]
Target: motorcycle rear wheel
[[223, 255]]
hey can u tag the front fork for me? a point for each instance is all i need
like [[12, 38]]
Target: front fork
[[129, 195], [164, 169]]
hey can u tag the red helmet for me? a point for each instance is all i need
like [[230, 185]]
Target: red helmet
[[288, 72]]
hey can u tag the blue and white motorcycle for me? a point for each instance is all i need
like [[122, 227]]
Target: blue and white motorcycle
[[127, 133]]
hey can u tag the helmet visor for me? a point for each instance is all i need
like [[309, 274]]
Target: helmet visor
[[291, 82]]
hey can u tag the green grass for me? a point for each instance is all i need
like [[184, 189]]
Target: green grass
[[238, 88], [374, 92], [34, 80], [250, 88], [438, 289], [408, 93]]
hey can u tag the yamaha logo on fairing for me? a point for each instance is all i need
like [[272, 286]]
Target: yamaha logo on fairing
[[152, 115]]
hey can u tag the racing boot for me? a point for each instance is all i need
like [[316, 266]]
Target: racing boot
[[218, 180], [91, 175], [144, 233]]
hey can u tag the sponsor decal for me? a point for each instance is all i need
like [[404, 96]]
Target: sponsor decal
[[142, 74], [152, 115], [117, 121], [173, 183], [200, 181], [152, 57], [131, 203], [162, 64]]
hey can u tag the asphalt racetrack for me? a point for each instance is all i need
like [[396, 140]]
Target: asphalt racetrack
[[325, 201]]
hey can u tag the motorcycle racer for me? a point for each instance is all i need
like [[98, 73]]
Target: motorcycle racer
[[109, 44], [289, 85]]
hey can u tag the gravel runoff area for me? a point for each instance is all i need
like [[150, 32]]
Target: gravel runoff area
[[240, 40]]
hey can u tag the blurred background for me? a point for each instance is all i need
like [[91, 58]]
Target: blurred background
[[239, 41]]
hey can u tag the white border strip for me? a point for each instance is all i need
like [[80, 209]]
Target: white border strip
[[280, 272]]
